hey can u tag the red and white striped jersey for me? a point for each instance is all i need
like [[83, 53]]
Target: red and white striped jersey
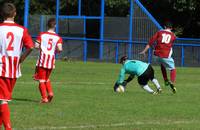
[[48, 44], [12, 38]]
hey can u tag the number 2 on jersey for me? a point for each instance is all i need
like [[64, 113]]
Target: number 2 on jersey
[[10, 36], [166, 38]]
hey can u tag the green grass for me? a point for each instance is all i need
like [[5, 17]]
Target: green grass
[[84, 99]]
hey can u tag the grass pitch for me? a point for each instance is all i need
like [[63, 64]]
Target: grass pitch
[[84, 99]]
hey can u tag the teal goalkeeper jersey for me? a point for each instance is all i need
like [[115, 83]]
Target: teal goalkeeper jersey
[[132, 67]]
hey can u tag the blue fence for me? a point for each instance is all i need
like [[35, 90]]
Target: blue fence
[[140, 25]]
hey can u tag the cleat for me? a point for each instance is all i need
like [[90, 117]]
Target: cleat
[[45, 100], [167, 83], [159, 90], [50, 98], [173, 87], [154, 93]]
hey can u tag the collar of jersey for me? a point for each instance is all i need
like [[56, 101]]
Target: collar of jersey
[[51, 31], [6, 21]]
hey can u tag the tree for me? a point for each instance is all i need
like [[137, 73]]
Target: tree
[[184, 14]]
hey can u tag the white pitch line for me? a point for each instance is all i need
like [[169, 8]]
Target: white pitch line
[[112, 125], [86, 83]]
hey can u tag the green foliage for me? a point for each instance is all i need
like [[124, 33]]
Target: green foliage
[[117, 7]]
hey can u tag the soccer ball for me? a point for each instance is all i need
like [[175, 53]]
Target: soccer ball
[[120, 89]]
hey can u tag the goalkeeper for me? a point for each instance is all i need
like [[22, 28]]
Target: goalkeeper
[[142, 70]]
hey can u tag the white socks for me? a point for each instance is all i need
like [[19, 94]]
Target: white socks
[[147, 88], [155, 82]]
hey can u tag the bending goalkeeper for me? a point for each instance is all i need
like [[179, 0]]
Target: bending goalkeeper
[[142, 70]]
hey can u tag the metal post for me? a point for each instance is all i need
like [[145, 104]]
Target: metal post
[[148, 14], [85, 41], [182, 56], [79, 7], [57, 15], [102, 29], [130, 29], [26, 13], [116, 51], [149, 55], [41, 23]]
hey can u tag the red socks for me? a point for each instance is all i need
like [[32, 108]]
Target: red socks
[[5, 116], [42, 88], [49, 88], [45, 88], [173, 75]]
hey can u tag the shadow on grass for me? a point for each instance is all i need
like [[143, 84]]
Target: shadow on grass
[[25, 100]]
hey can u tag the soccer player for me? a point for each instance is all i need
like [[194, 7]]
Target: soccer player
[[142, 70], [49, 43], [13, 38], [163, 53]]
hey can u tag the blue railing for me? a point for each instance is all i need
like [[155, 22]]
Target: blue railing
[[181, 42], [117, 42]]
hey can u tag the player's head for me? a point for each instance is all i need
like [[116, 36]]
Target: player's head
[[51, 23], [168, 24], [8, 10], [123, 59]]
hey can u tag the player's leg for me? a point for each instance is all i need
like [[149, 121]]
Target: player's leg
[[164, 74], [42, 88], [143, 80], [42, 84], [5, 115], [163, 69], [169, 63], [49, 90], [48, 85], [6, 87], [153, 79], [1, 120]]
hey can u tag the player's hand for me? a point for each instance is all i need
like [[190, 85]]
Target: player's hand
[[124, 83], [143, 54]]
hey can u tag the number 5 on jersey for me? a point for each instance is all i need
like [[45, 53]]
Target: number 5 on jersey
[[50, 42]]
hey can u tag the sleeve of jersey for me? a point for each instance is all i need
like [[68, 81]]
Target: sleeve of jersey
[[121, 76], [27, 40], [39, 38], [60, 41], [153, 39]]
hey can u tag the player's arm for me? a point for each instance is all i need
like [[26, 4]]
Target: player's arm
[[121, 76], [28, 44], [25, 54], [150, 43], [130, 77], [37, 44], [59, 47], [145, 49]]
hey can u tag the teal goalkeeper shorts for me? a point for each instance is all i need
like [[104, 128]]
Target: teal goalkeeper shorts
[[167, 62]]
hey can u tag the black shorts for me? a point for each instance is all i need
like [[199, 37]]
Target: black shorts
[[146, 76]]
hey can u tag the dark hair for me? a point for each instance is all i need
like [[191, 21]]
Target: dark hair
[[122, 59], [51, 23], [168, 24], [8, 10]]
